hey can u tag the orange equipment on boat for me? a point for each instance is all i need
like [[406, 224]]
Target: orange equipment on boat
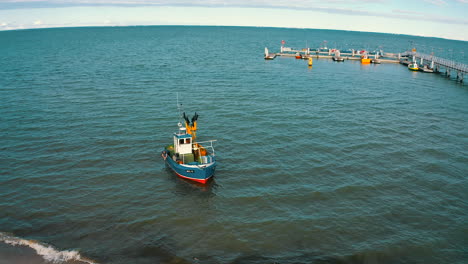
[[200, 148], [191, 128]]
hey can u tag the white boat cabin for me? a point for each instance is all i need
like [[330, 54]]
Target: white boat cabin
[[182, 141]]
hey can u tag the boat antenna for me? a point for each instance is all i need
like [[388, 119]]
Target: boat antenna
[[179, 108]]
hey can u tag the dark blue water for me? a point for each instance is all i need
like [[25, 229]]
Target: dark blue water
[[338, 163]]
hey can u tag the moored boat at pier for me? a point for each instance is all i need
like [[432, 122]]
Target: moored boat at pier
[[365, 59], [269, 56], [427, 69], [413, 66], [337, 58]]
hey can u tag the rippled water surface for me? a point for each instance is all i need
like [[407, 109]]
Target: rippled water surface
[[338, 163]]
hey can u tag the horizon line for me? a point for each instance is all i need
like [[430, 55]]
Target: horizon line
[[174, 25]]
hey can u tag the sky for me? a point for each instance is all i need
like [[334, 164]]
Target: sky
[[431, 18]]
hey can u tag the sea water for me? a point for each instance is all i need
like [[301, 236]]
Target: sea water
[[337, 163]]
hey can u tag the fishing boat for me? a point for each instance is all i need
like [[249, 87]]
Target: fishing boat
[[188, 158], [269, 56], [298, 55], [413, 66]]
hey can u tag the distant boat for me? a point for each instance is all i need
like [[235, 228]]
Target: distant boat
[[337, 58], [413, 66], [376, 60], [405, 62], [298, 56], [187, 157], [269, 56], [365, 60], [427, 69]]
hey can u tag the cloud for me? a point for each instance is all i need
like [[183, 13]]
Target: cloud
[[10, 26], [37, 22], [339, 7], [415, 15], [294, 4], [437, 2], [399, 11]]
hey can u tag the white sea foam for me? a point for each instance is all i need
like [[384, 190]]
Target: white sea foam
[[47, 252]]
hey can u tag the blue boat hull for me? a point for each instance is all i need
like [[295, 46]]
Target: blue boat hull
[[199, 173]]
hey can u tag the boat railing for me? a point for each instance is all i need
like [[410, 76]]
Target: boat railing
[[189, 158], [207, 145], [204, 151]]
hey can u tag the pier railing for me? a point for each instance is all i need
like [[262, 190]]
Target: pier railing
[[439, 62]]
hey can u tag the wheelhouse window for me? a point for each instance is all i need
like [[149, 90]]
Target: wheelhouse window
[[184, 141]]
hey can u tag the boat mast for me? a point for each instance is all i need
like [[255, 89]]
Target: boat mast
[[179, 109]]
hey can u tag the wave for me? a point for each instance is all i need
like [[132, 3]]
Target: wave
[[47, 252]]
